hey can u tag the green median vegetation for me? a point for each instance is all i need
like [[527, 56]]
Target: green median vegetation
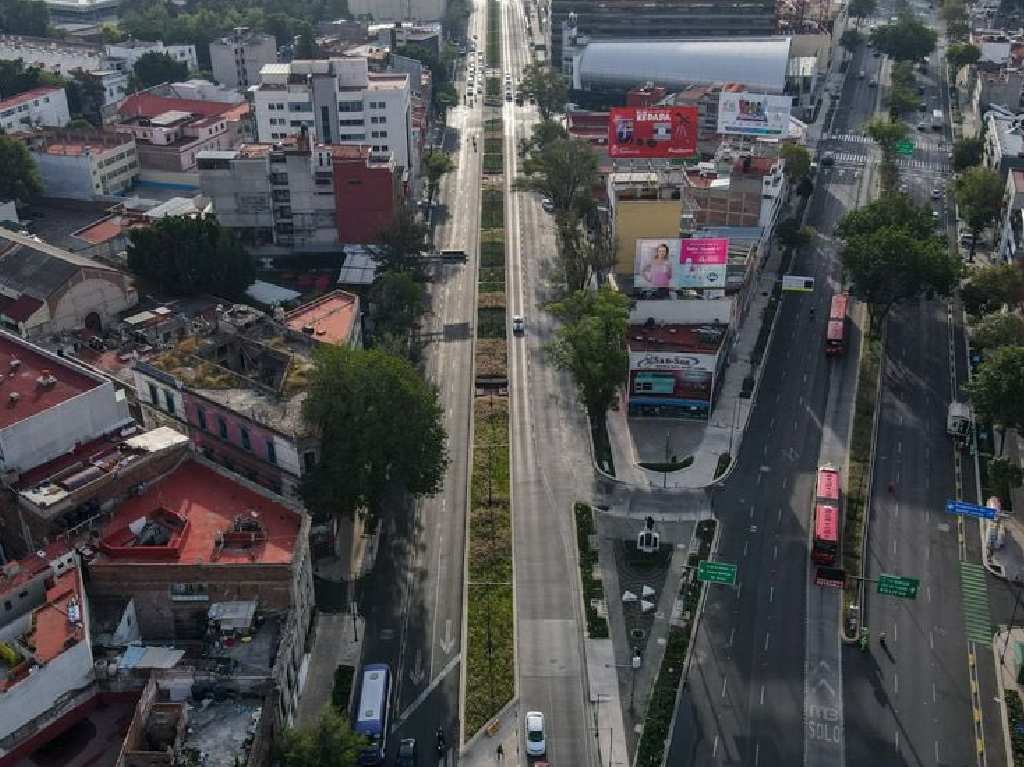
[[593, 591], [1015, 718], [490, 672], [493, 33]]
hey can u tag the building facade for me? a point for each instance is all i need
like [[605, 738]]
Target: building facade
[[123, 55], [55, 56], [84, 165], [339, 101], [39, 107], [236, 60]]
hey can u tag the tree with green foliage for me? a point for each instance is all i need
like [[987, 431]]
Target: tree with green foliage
[[436, 164], [190, 255], [990, 288], [851, 40], [111, 34], [591, 345], [546, 87], [994, 331], [20, 180], [791, 235], [544, 132], [328, 743], [1005, 476], [24, 17], [443, 93], [861, 9], [305, 42], [962, 54], [564, 171], [17, 78], [381, 431], [85, 99], [154, 68], [967, 152], [396, 303], [979, 197], [954, 13], [399, 247], [891, 255], [797, 161], [903, 96], [887, 134], [997, 390], [906, 40]]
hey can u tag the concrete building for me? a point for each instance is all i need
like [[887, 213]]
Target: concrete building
[[51, 404], [237, 390], [1011, 222], [46, 290], [58, 56], [113, 83], [236, 60], [84, 165], [333, 318], [1004, 141], [198, 90], [123, 55], [48, 684], [340, 102], [286, 198], [399, 10], [597, 19], [46, 106]]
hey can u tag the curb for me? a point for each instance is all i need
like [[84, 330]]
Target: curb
[[868, 485], [593, 456], [1003, 714], [483, 730]]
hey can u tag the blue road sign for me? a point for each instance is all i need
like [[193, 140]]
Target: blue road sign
[[965, 509]]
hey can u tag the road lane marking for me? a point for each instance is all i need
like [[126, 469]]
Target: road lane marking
[[732, 635], [745, 545], [896, 683], [714, 748], [766, 635], [771, 593], [897, 740], [762, 695], [723, 686]]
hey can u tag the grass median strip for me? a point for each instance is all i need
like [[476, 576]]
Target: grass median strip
[[490, 674], [593, 591]]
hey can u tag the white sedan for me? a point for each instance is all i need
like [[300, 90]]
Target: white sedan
[[535, 745]]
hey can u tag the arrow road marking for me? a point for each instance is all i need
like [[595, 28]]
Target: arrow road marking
[[417, 673], [448, 643], [828, 688]]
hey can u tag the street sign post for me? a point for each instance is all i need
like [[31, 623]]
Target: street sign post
[[716, 572], [964, 509], [898, 586]]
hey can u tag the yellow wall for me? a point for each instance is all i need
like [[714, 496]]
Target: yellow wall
[[639, 220]]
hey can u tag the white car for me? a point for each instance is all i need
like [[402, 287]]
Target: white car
[[535, 745]]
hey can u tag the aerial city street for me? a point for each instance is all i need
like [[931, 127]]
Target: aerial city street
[[511, 382]]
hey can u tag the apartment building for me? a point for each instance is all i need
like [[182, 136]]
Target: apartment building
[[57, 56], [339, 101], [84, 165], [123, 55], [236, 60], [286, 198], [46, 106]]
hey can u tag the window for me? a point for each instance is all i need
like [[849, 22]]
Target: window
[[271, 452], [169, 400], [201, 418], [309, 460], [189, 592], [246, 443], [378, 134], [154, 396], [350, 106], [380, 120], [222, 427]]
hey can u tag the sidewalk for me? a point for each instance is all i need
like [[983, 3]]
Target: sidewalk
[[633, 441], [482, 750], [1006, 673], [337, 642]]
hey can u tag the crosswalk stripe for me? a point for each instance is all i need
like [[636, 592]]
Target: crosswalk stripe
[[974, 603]]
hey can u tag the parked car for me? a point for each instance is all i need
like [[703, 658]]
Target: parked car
[[535, 745], [518, 325]]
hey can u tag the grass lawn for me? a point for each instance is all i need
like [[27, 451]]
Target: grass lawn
[[597, 627]]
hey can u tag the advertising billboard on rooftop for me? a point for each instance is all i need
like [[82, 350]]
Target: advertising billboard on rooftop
[[681, 263], [652, 132], [753, 114]]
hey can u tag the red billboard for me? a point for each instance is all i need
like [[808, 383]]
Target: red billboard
[[646, 132]]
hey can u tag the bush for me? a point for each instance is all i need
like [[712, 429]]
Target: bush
[[493, 145], [490, 323], [597, 627], [492, 252], [1015, 718], [494, 163], [492, 209], [342, 691]]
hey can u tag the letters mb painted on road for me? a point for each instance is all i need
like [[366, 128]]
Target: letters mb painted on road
[[716, 572]]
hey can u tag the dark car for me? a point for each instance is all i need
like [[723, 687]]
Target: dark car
[[406, 753]]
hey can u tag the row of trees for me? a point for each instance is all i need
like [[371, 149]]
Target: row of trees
[[24, 17]]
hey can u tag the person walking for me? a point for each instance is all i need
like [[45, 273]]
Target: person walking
[[501, 753]]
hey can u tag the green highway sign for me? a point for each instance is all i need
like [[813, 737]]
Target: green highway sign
[[898, 586], [904, 147], [716, 572]]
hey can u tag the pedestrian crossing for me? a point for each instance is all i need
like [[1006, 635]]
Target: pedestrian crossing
[[974, 602], [849, 138], [904, 163]]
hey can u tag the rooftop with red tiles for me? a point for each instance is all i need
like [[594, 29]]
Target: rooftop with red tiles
[[58, 623], [205, 517], [150, 105], [41, 381], [331, 318], [704, 338]]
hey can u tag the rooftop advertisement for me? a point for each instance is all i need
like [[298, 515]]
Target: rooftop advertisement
[[753, 114], [652, 132], [681, 263]]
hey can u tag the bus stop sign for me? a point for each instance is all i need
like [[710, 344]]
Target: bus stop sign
[[898, 586]]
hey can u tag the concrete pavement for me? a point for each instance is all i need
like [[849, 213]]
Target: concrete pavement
[[338, 641]]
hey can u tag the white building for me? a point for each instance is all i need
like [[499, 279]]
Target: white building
[[114, 83], [124, 55], [86, 165], [198, 90], [52, 55], [46, 106], [340, 102], [398, 10], [236, 60]]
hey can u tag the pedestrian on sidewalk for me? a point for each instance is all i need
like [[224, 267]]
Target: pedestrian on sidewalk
[[501, 753]]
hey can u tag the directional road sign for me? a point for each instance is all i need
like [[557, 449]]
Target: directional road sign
[[965, 509], [904, 147], [898, 586], [716, 572]]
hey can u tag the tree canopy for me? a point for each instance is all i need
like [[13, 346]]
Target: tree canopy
[[20, 180], [564, 171], [979, 196], [851, 40], [435, 165], [24, 17], [990, 288], [17, 78], [967, 152], [906, 40], [997, 330], [958, 24], [887, 134], [591, 345], [545, 86], [328, 743], [903, 96], [961, 54], [891, 255], [154, 68], [861, 9], [185, 256], [399, 248], [798, 161], [381, 430], [396, 302], [997, 389]]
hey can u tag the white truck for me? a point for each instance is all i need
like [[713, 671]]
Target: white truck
[[938, 121], [959, 422]]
